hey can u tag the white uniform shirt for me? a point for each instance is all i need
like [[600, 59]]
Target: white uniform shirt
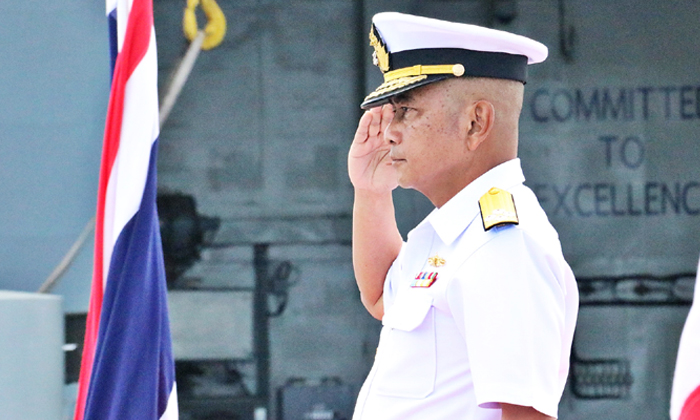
[[496, 326]]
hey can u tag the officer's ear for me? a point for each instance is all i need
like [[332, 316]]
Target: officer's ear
[[481, 115]]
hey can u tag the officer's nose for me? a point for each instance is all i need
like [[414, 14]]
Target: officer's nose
[[391, 134]]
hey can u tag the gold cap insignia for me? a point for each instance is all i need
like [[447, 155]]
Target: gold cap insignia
[[380, 56], [497, 208], [436, 261]]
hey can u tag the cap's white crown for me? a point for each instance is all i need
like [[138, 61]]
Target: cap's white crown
[[403, 32]]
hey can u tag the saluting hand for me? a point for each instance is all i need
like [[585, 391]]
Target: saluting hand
[[369, 163]]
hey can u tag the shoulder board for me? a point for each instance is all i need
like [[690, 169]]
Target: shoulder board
[[497, 208]]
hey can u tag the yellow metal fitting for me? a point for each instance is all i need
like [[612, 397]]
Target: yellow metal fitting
[[215, 29]]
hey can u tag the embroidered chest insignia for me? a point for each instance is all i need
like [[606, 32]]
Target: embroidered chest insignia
[[436, 261], [497, 208], [425, 279]]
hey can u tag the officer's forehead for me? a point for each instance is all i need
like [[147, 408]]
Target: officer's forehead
[[439, 88], [415, 93]]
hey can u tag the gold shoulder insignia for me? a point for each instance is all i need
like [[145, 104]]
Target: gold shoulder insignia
[[380, 56], [497, 208]]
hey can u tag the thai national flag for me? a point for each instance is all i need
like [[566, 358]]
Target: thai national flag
[[127, 369], [685, 397]]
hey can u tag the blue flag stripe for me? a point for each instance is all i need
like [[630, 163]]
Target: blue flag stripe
[[134, 373]]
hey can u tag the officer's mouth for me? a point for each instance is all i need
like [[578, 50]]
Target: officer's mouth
[[397, 161]]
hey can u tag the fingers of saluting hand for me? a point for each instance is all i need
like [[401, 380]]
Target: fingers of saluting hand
[[368, 126], [369, 167], [387, 115], [375, 125]]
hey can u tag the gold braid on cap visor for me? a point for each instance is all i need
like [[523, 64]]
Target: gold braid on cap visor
[[418, 70], [396, 79]]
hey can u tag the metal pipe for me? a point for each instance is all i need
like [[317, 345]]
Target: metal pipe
[[181, 74], [53, 278]]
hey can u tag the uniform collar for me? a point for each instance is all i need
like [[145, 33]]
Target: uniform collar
[[450, 220]]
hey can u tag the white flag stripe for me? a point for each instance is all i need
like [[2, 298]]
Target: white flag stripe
[[139, 131], [171, 411]]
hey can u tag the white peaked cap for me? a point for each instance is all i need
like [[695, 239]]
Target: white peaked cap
[[413, 51]]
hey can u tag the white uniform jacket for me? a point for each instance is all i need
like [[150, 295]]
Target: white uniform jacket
[[495, 326]]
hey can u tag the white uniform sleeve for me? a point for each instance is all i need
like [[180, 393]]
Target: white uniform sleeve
[[509, 305]]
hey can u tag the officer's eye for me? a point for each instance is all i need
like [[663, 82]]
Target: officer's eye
[[401, 111]]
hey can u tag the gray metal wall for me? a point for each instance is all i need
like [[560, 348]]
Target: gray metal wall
[[259, 137], [54, 81], [608, 139]]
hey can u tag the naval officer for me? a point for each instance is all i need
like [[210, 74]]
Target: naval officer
[[478, 305]]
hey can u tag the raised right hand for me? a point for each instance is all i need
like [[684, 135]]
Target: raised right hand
[[369, 164]]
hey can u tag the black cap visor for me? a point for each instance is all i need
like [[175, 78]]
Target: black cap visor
[[476, 64]]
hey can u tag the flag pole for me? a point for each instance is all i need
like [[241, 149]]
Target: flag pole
[[68, 259]]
